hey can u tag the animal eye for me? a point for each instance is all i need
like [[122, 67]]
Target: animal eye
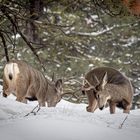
[[97, 88]]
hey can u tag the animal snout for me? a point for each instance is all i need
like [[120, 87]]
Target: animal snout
[[101, 108]]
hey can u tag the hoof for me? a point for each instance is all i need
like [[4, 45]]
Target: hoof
[[4, 95], [89, 109]]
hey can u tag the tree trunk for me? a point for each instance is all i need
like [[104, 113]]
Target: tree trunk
[[35, 11]]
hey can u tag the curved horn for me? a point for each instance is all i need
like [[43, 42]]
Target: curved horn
[[87, 88]]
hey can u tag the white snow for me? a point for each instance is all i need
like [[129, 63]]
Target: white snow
[[67, 121]]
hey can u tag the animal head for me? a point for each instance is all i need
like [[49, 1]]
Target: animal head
[[99, 90], [54, 93]]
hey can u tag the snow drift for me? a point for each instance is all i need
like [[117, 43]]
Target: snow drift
[[67, 121]]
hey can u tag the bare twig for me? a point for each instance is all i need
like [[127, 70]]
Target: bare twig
[[33, 111], [121, 125]]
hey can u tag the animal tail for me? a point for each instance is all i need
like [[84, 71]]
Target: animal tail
[[11, 72], [10, 76]]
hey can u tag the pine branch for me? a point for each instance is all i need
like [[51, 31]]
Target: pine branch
[[4, 10]]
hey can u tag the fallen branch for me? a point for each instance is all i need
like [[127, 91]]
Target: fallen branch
[[121, 125], [33, 111]]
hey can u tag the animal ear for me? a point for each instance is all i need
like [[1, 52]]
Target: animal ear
[[103, 81], [58, 84]]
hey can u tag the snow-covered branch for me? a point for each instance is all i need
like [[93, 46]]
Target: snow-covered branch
[[90, 34], [102, 31]]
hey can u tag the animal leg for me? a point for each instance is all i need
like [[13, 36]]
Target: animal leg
[[127, 109], [4, 94], [24, 101], [19, 99], [92, 106], [5, 88], [41, 103], [20, 96], [112, 107], [21, 90]]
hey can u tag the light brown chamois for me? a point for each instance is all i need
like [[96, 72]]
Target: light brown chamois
[[25, 82], [105, 84]]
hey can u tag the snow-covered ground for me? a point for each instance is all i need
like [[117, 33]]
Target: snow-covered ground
[[67, 121]]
